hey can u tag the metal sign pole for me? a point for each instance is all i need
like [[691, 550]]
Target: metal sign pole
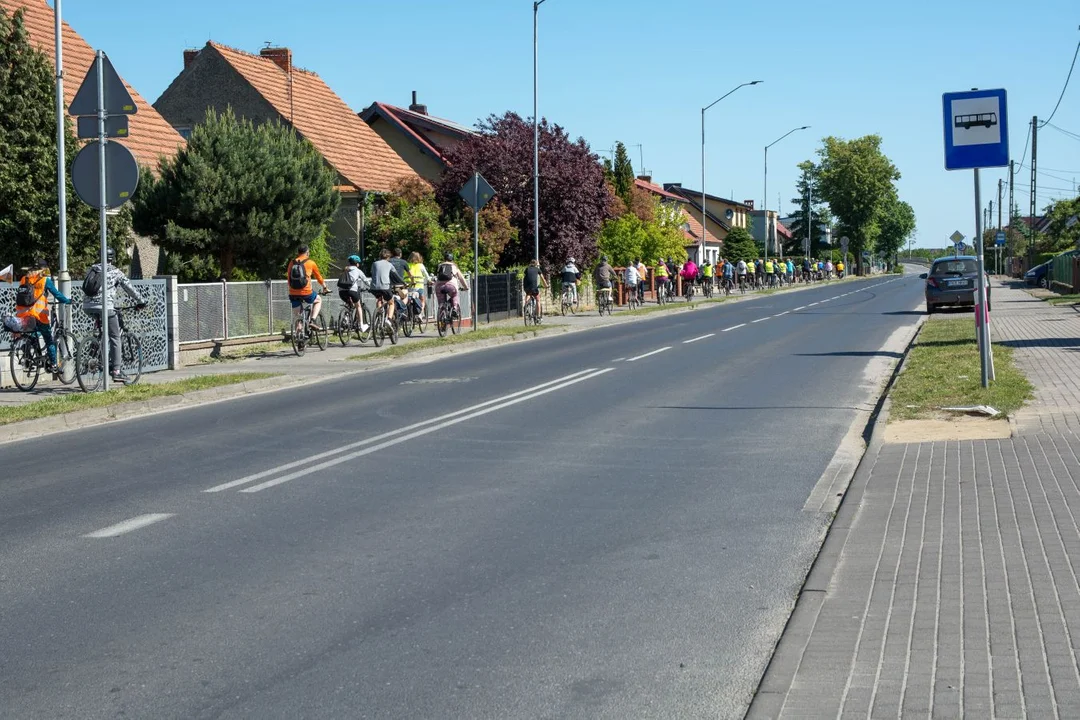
[[61, 164], [980, 307], [103, 220], [476, 251]]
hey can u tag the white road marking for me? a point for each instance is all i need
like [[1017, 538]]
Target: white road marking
[[618, 359], [700, 337], [654, 352], [419, 433], [127, 526], [781, 314], [801, 307], [734, 327], [758, 320], [383, 436], [812, 304]]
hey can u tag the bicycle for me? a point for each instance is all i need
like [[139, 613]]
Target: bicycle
[[88, 368], [707, 289], [531, 311], [688, 290], [603, 301], [382, 327], [728, 285], [304, 331], [568, 301], [410, 315], [632, 301], [349, 321], [448, 317]]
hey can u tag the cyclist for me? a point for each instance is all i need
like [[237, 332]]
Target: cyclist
[[662, 275], [532, 282], [384, 277], [840, 269], [769, 271], [828, 269], [399, 263], [33, 302], [806, 269], [644, 273], [418, 278], [751, 272], [603, 275], [741, 269], [570, 277], [688, 273], [351, 283], [449, 282], [778, 272], [109, 280], [729, 273], [301, 269], [790, 272], [707, 272], [631, 278]]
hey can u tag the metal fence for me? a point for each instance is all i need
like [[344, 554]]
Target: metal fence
[[1060, 275], [150, 324], [498, 296]]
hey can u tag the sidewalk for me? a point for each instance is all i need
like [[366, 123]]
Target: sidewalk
[[947, 585]]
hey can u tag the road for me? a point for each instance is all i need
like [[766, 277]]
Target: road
[[601, 524]]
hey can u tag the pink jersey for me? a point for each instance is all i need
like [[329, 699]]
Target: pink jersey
[[689, 270]]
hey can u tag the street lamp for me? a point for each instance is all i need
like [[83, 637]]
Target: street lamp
[[536, 142], [765, 204], [704, 220]]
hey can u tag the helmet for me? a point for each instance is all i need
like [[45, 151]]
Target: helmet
[[448, 256], [570, 260], [354, 259], [603, 258]]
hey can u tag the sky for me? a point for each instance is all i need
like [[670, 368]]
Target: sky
[[639, 71]]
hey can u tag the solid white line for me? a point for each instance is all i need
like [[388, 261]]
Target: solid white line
[[734, 327], [127, 526], [419, 433], [367, 441], [701, 337], [783, 313], [759, 320], [801, 307], [654, 352]]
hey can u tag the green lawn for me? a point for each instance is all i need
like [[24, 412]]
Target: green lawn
[[943, 370], [70, 402], [516, 331], [1064, 300]]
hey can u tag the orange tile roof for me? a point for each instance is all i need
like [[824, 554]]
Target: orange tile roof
[[696, 231], [657, 190], [347, 143], [151, 136]]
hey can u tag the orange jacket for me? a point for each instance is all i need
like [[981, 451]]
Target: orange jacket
[[40, 309], [312, 271]]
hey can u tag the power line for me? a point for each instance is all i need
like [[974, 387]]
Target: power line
[[1040, 171], [1063, 131], [1027, 141], [1067, 77]]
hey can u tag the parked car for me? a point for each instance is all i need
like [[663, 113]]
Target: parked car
[[1039, 275], [953, 281]]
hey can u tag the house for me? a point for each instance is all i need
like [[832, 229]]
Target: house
[[150, 135], [268, 87], [722, 214], [701, 243], [419, 138], [779, 233]]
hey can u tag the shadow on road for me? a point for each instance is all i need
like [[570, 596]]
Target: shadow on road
[[854, 353]]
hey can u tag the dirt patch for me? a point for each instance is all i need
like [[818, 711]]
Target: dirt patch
[[959, 428]]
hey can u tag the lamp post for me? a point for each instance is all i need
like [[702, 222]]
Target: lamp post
[[536, 141], [704, 221], [765, 202]]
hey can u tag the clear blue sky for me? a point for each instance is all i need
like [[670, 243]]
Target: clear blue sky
[[639, 71]]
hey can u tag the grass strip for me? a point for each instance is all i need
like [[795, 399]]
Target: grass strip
[[73, 401], [515, 331], [1063, 299], [243, 352], [943, 370]]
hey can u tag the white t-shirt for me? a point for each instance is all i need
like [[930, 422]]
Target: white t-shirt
[[741, 267], [631, 275]]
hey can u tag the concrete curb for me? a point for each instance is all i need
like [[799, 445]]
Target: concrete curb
[[787, 654]]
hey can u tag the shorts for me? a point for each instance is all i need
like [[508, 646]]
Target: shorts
[[349, 296], [383, 295], [419, 291], [298, 300], [532, 292], [661, 279]]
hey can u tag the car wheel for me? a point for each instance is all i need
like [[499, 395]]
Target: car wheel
[[929, 309], [1043, 283]]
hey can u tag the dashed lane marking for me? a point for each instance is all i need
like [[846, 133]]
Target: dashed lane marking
[[121, 528]]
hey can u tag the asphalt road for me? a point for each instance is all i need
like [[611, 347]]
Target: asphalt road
[[601, 524]]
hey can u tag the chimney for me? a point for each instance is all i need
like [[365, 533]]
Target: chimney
[[189, 57], [645, 178], [676, 186], [748, 203], [281, 56], [417, 108]]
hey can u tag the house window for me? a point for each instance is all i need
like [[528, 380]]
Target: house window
[[185, 131]]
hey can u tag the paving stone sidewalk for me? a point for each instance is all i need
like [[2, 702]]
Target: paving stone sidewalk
[[948, 585]]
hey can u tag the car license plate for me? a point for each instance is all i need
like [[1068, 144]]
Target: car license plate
[[957, 283]]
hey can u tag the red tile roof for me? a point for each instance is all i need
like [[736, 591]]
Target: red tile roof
[[657, 190], [347, 143], [396, 114], [695, 231], [151, 136], [782, 229]]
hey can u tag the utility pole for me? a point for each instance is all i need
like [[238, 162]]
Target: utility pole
[[1000, 184], [1031, 206]]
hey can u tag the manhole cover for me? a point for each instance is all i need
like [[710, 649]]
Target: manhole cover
[[438, 381]]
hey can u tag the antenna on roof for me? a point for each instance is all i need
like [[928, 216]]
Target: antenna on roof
[[268, 43]]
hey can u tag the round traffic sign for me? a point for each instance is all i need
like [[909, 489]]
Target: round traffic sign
[[121, 175]]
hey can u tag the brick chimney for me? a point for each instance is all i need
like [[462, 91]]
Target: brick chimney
[[281, 56], [748, 203], [416, 107], [645, 178], [189, 57]]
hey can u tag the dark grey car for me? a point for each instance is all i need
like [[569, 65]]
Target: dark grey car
[[953, 281]]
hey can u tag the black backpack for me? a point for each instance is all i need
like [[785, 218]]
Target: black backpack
[[91, 284], [298, 279], [25, 296], [445, 272], [345, 282]]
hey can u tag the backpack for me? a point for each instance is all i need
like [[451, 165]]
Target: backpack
[[345, 282], [91, 284], [298, 279], [25, 296], [445, 272]]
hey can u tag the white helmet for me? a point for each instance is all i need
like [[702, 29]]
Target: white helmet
[[570, 261]]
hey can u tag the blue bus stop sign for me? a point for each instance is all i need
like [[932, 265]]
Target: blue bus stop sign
[[999, 237], [976, 129]]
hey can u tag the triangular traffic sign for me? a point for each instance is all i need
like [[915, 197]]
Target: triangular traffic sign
[[476, 191], [118, 100]]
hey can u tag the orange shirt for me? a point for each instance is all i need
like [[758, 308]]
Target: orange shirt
[[40, 309], [312, 271]]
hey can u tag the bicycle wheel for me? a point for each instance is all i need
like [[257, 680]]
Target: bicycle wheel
[[65, 357], [392, 332], [131, 347], [362, 318], [378, 327], [455, 322], [298, 339], [345, 325], [319, 332], [88, 368], [526, 312], [406, 316], [25, 362]]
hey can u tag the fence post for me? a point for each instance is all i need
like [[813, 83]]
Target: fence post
[[172, 320], [224, 309]]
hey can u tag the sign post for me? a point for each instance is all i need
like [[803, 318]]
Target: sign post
[[977, 136], [104, 174], [844, 241], [476, 192]]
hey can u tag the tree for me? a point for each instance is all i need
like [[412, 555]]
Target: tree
[[29, 216], [808, 181], [622, 238], [740, 245], [855, 178], [574, 200], [664, 236], [1064, 226], [895, 223], [622, 174], [246, 195]]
